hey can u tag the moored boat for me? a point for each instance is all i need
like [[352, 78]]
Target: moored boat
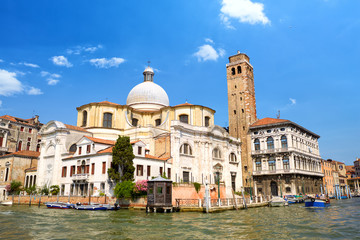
[[59, 205], [316, 202], [93, 207], [6, 203], [278, 202]]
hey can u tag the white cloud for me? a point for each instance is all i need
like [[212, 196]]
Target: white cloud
[[52, 77], [1, 60], [52, 81], [106, 63], [30, 65], [293, 101], [209, 40], [244, 11], [206, 53], [9, 85], [61, 61], [79, 49], [0, 103], [34, 91]]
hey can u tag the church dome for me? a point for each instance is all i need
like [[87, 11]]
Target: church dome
[[147, 96]]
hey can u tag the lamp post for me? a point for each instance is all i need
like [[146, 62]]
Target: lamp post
[[249, 178]]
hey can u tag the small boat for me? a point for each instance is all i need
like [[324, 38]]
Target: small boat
[[93, 207], [291, 199], [317, 202], [59, 205], [278, 202], [6, 203]]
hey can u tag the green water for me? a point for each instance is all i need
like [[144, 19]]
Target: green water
[[340, 221]]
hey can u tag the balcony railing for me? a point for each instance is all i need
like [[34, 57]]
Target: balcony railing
[[3, 149], [273, 150], [80, 176]]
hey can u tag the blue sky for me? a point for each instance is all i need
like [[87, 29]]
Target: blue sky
[[58, 55]]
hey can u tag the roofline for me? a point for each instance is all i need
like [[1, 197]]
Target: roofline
[[284, 123], [192, 105]]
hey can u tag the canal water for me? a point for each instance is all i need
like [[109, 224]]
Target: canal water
[[339, 221]]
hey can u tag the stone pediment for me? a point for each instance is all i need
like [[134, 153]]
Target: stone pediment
[[51, 127], [218, 131]]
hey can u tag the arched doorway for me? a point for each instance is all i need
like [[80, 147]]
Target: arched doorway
[[274, 188]]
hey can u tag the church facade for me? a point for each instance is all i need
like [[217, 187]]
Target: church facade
[[180, 141]]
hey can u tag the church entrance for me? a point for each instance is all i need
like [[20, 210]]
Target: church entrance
[[274, 188]]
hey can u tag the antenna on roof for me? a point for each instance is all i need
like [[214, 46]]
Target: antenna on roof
[[148, 63], [278, 115]]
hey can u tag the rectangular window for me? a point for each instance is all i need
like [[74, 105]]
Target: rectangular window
[[139, 150], [103, 167], [92, 168], [139, 170], [29, 139], [21, 129], [88, 148], [161, 170], [102, 187], [148, 172], [72, 171], [258, 166], [30, 130], [79, 150], [63, 172], [286, 164], [272, 166], [87, 169], [169, 173], [186, 176]]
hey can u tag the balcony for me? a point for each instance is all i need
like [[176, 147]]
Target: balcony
[[3, 149], [287, 171], [80, 177], [265, 151]]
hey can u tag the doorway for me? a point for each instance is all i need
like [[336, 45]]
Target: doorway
[[274, 188]]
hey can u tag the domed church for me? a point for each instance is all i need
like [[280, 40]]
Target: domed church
[[181, 141]]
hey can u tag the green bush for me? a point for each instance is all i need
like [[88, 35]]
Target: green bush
[[124, 189], [14, 188], [44, 190], [197, 187], [30, 190], [54, 189]]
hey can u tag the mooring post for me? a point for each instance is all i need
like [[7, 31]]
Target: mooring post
[[29, 200], [57, 198], [39, 200], [18, 199]]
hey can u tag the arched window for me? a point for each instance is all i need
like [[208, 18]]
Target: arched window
[[272, 164], [270, 143], [84, 119], [258, 164], [107, 120], [28, 146], [233, 71], [286, 162], [239, 69], [216, 153], [186, 149], [207, 121], [134, 122], [158, 122], [83, 166], [34, 184], [27, 182], [38, 148], [184, 118], [288, 189], [31, 180], [72, 148], [284, 142], [232, 157], [257, 144], [19, 145], [1, 139]]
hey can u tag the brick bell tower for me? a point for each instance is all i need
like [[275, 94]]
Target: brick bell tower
[[242, 108]]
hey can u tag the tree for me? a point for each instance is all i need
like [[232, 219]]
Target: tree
[[54, 189], [122, 167], [31, 190], [124, 189], [44, 190], [14, 187]]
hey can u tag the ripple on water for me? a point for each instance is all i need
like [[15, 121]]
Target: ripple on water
[[340, 221]]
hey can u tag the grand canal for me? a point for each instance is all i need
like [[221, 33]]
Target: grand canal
[[340, 221]]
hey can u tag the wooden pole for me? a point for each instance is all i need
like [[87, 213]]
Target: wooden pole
[[29, 200], [39, 200], [234, 199]]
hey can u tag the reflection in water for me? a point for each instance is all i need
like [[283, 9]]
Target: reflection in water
[[337, 222]]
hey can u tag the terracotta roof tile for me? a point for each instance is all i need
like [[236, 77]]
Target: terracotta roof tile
[[135, 141], [99, 140], [106, 150], [184, 104], [267, 121], [156, 158], [18, 120], [24, 153], [71, 127]]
